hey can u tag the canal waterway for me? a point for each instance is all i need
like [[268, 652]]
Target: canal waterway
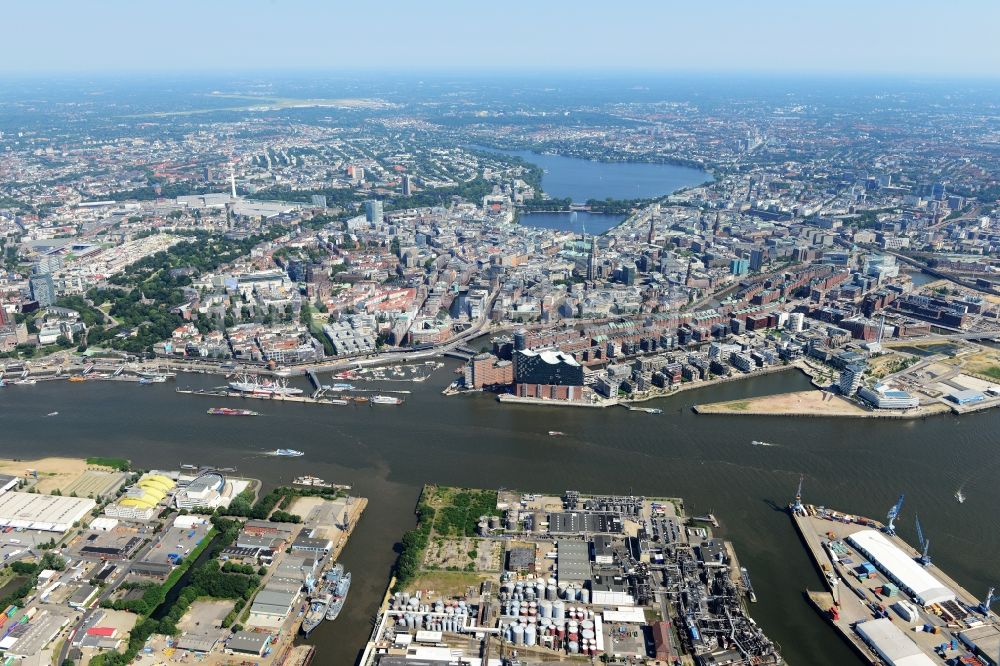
[[388, 453]]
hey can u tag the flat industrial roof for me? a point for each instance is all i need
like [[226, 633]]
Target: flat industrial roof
[[891, 559], [41, 631], [197, 642], [248, 641], [573, 561], [889, 641], [44, 512]]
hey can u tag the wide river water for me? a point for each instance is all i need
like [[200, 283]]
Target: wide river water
[[388, 453]]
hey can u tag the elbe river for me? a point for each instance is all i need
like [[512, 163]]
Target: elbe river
[[388, 453]]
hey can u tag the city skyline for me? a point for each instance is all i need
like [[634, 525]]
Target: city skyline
[[560, 306], [772, 37]]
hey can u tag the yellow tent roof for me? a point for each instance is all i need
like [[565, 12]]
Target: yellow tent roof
[[157, 481], [141, 503]]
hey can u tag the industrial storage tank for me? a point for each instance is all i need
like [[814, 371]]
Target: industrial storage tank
[[517, 634], [551, 592], [529, 635], [544, 608], [558, 610], [585, 595], [574, 647]]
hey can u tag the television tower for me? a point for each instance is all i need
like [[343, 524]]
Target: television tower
[[232, 178]]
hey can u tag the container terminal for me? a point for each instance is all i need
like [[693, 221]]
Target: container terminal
[[623, 579], [887, 599]]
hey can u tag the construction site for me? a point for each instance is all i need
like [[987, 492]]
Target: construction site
[[623, 579]]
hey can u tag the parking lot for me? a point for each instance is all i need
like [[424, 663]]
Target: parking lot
[[176, 542], [25, 538]]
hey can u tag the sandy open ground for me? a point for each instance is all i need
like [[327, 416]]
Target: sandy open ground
[[53, 473], [807, 403]]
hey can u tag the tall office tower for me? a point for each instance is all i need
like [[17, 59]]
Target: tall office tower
[[850, 379], [373, 210], [43, 289]]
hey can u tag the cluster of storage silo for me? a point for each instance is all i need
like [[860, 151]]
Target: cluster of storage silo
[[546, 613], [573, 636], [411, 613], [542, 588], [488, 525]]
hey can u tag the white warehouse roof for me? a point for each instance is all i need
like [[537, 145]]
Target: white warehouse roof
[[895, 647], [900, 567], [42, 512]]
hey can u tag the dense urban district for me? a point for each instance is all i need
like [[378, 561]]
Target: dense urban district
[[263, 234], [283, 237]]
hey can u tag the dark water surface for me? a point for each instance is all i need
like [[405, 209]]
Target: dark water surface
[[387, 453], [581, 179], [578, 221]]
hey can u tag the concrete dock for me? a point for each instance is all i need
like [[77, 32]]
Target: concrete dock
[[853, 596]]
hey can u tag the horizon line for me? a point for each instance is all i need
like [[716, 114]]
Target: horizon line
[[507, 71]]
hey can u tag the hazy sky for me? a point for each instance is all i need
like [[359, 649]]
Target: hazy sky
[[942, 38]]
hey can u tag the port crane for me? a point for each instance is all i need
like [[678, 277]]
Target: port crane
[[925, 544], [984, 607], [797, 507], [890, 527]]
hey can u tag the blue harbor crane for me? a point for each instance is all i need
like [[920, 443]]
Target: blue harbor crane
[[984, 607], [925, 544], [890, 527]]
